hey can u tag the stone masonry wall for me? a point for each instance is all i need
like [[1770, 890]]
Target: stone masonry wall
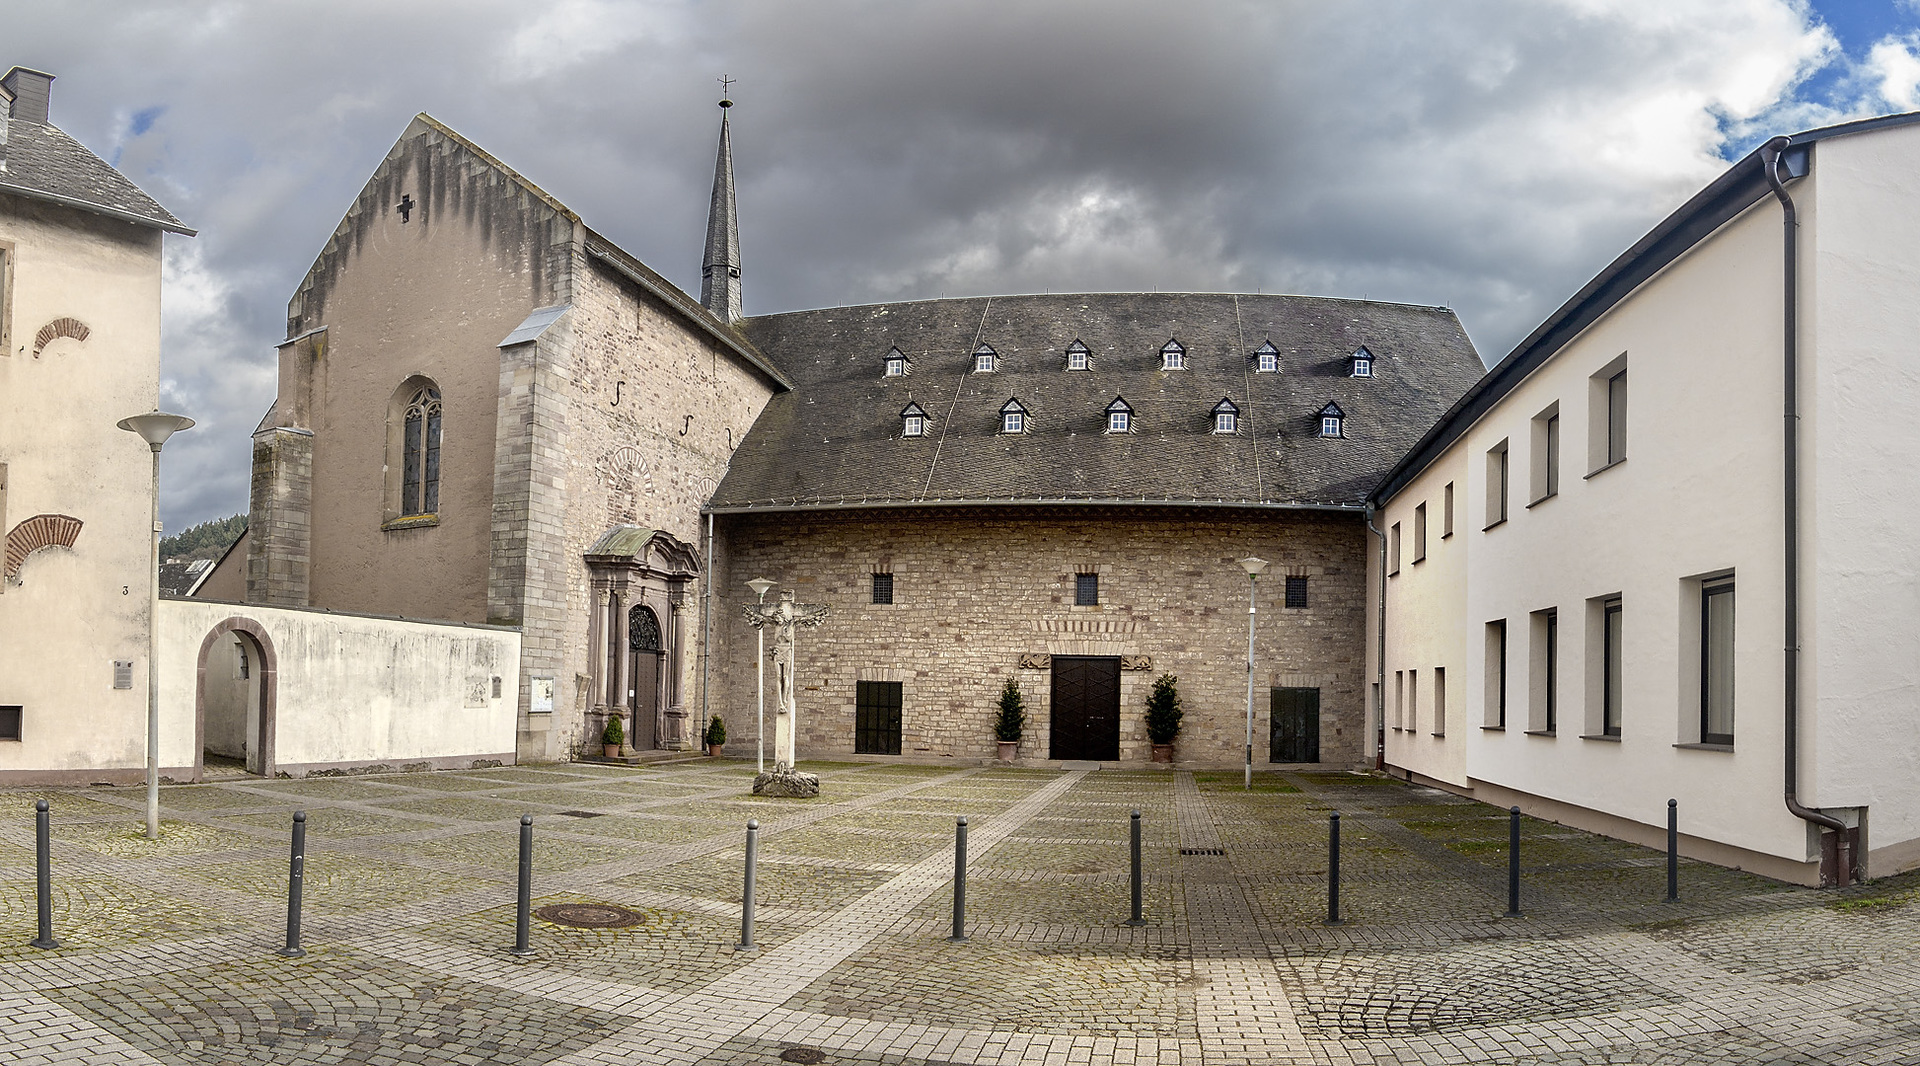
[[976, 590], [640, 461]]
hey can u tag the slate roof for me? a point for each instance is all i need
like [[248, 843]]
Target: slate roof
[[835, 440], [43, 163]]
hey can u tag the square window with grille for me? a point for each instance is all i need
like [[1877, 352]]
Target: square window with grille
[[10, 722], [876, 718], [1296, 591], [883, 588], [1086, 590]]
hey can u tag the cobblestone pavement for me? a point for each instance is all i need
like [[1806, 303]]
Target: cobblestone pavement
[[168, 947]]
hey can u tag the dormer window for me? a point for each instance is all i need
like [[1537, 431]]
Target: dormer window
[[913, 420], [1333, 421], [1013, 417], [1078, 358], [1226, 416], [897, 364], [1266, 359], [1119, 416], [985, 360], [1360, 364], [1173, 356]]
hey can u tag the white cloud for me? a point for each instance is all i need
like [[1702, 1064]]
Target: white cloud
[[1895, 71]]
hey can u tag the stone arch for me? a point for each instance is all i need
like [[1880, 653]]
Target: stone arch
[[40, 531], [269, 682], [56, 329]]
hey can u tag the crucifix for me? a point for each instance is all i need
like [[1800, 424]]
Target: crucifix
[[726, 85], [786, 618]]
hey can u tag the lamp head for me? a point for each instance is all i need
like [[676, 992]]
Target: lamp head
[[1253, 565], [156, 426], [760, 585]]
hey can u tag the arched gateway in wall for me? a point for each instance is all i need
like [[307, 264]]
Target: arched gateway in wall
[[236, 689], [637, 631]]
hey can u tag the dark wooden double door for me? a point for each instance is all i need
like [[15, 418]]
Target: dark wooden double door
[[1086, 708]]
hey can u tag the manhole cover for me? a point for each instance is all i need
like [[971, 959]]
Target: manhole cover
[[580, 814], [589, 915], [803, 1054]]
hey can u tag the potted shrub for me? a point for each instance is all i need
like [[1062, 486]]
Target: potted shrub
[[1011, 721], [716, 735], [1163, 716], [614, 736]]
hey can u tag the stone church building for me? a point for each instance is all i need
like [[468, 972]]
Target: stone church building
[[490, 413]]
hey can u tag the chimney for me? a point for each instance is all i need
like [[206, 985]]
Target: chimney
[[32, 91]]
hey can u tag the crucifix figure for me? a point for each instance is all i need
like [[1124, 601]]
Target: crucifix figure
[[786, 618]]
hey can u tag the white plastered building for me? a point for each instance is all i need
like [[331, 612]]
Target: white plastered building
[[1586, 565]]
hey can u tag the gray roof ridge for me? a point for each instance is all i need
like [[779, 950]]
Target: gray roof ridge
[[1113, 292]]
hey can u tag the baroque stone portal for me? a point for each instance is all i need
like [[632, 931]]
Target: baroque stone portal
[[787, 618]]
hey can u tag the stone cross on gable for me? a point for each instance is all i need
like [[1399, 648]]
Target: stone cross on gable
[[787, 618]]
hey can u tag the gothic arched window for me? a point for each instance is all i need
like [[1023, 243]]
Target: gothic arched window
[[420, 465]]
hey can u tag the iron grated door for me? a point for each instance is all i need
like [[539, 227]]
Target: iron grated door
[[876, 718], [1295, 722]]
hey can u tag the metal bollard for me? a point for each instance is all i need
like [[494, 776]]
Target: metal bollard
[[1673, 851], [523, 911], [1136, 919], [296, 875], [43, 873], [746, 895], [959, 880], [1333, 868], [1513, 865]]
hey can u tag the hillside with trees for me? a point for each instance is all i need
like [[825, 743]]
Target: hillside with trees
[[208, 540]]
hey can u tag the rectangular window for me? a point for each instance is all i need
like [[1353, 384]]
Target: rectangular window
[[1607, 415], [1393, 549], [1544, 677], [1716, 664], [1617, 417], [983, 363], [1399, 700], [1546, 454], [1086, 590], [1446, 512], [1496, 485], [896, 368], [1420, 532], [6, 299], [876, 718], [1496, 677], [1076, 360], [1413, 700], [10, 722], [1610, 668], [1013, 422], [883, 588], [1117, 422], [430, 491], [1439, 701], [1269, 363], [916, 426], [1296, 591], [1225, 422]]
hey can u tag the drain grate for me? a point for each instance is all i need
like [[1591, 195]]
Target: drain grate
[[1203, 851], [803, 1054], [582, 814], [589, 915]]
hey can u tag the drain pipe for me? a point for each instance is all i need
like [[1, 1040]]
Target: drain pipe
[[1770, 156], [1380, 663]]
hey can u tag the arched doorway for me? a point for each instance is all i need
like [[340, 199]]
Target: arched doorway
[[646, 650], [234, 705]]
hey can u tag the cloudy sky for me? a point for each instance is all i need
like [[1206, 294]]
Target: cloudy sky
[[1490, 155]]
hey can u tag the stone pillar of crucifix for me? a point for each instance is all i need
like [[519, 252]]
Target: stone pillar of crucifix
[[785, 617]]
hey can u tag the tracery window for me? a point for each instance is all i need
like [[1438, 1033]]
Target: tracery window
[[420, 477]]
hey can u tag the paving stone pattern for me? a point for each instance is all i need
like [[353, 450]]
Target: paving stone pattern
[[168, 947]]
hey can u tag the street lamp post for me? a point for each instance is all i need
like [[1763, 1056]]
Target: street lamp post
[[1253, 565], [760, 585], [154, 428]]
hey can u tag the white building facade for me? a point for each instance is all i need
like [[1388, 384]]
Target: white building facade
[[1588, 561]]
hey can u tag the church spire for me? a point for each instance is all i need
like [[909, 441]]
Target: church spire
[[720, 267]]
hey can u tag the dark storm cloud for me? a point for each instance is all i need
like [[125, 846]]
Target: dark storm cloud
[[1489, 155]]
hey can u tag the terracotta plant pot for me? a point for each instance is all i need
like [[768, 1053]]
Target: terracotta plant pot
[[714, 749], [612, 750], [1163, 753], [1007, 750]]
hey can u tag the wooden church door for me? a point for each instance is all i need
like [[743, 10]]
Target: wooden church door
[[643, 696]]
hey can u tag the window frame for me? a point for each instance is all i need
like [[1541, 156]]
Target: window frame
[[1013, 421], [1086, 588], [1393, 549], [1078, 357], [1119, 421], [1709, 592], [1494, 715], [1266, 362], [1173, 356], [1544, 483], [1612, 672], [1226, 422], [1420, 532], [882, 588], [18, 728], [1295, 594], [985, 360], [416, 435], [1362, 367], [915, 426], [1617, 418], [1446, 512], [1499, 482]]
